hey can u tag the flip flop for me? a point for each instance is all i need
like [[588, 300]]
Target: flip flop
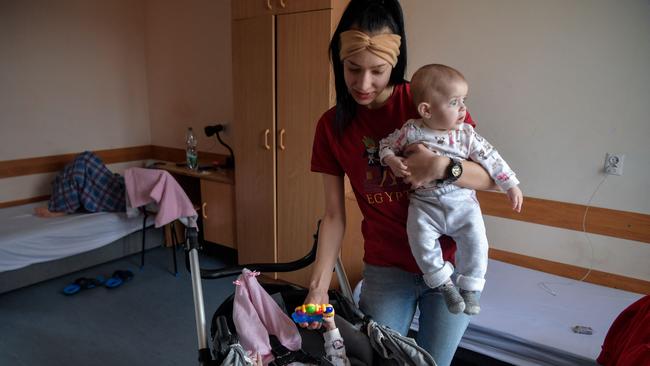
[[82, 284], [118, 278]]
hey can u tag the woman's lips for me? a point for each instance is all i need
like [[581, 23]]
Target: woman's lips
[[362, 96]]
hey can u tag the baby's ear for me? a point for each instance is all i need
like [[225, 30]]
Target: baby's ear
[[424, 110]]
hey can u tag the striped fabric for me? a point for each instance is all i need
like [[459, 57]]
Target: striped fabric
[[86, 185]]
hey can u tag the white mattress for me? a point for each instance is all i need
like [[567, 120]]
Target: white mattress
[[522, 324], [26, 239]]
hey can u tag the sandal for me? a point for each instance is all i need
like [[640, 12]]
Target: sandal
[[82, 284], [118, 278]]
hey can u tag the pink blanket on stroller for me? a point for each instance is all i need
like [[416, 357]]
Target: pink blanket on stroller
[[256, 315]]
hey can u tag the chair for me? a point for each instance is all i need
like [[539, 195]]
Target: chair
[[172, 230], [145, 186]]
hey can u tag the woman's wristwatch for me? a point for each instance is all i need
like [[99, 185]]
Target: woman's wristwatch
[[454, 171]]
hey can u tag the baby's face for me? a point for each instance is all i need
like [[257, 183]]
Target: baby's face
[[448, 107]]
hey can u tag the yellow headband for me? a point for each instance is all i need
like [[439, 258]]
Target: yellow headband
[[384, 45]]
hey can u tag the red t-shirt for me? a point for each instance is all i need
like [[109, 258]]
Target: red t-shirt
[[382, 198], [628, 340]]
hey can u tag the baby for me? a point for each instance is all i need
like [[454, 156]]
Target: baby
[[334, 348], [441, 207]]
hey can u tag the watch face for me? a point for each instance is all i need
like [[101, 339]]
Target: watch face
[[456, 170]]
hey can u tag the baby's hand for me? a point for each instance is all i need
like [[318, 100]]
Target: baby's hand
[[516, 198], [397, 166], [328, 323], [256, 358]]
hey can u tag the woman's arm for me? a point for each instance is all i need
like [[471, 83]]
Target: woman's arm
[[330, 237], [474, 177], [425, 166]]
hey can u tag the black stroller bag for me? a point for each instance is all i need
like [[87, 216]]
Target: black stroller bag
[[366, 342], [359, 350]]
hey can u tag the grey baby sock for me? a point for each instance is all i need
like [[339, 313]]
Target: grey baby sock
[[452, 297], [472, 306]]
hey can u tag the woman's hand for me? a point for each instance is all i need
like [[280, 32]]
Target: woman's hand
[[424, 165], [315, 297]]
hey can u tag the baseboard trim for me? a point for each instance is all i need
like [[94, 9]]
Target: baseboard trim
[[570, 271], [54, 163], [619, 224], [24, 201]]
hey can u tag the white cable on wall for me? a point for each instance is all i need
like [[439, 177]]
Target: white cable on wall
[[544, 285]]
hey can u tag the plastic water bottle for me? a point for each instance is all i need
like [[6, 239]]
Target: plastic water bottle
[[190, 150]]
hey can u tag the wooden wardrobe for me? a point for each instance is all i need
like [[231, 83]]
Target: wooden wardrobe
[[282, 84]]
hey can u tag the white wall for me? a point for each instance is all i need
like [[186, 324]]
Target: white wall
[[72, 78], [90, 75], [554, 85], [190, 72]]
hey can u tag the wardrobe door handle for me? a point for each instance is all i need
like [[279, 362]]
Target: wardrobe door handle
[[282, 132], [282, 4], [266, 139], [203, 212], [268, 4]]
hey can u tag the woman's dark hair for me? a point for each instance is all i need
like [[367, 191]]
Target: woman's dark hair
[[367, 16]]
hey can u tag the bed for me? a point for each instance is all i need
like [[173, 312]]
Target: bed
[[33, 249], [523, 324]]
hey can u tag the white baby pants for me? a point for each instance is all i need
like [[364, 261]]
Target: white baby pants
[[455, 212]]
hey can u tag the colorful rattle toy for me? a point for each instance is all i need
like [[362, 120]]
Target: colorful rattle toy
[[309, 313]]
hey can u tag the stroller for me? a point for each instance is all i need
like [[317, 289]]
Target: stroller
[[367, 342]]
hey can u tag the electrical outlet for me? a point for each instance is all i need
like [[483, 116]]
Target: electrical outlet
[[614, 163]]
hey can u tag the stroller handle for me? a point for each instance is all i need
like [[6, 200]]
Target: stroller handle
[[210, 274]]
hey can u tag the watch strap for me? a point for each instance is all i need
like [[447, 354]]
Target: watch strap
[[454, 171]]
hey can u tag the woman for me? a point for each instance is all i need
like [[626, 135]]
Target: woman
[[368, 53]]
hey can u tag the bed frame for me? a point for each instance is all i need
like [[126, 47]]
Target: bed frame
[[130, 244], [127, 245]]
